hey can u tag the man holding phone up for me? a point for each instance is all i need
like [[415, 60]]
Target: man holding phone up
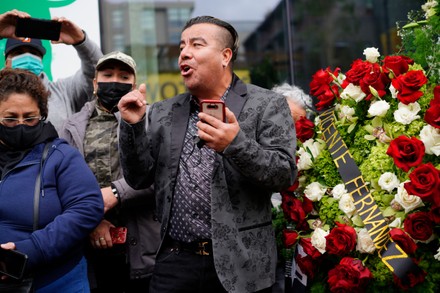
[[69, 94], [213, 199]]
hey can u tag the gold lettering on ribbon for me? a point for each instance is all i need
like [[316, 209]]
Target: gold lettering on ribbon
[[390, 253]]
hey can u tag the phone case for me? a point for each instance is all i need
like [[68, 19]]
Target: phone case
[[38, 28], [214, 108], [118, 234], [12, 263]]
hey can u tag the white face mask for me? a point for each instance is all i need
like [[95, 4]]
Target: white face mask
[[28, 62]]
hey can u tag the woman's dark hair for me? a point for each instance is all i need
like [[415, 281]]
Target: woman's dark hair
[[23, 82], [231, 41]]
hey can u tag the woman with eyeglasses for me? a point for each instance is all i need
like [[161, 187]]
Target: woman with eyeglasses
[[68, 202]]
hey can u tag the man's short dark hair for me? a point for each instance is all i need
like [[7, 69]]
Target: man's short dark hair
[[232, 42]]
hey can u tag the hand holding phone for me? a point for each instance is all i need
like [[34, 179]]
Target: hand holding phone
[[12, 263], [38, 28], [118, 234]]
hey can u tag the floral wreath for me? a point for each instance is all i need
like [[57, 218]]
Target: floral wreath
[[387, 112]]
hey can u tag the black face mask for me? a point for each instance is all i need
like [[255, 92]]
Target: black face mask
[[109, 94], [20, 137]]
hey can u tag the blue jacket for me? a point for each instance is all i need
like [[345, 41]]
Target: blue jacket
[[70, 207]]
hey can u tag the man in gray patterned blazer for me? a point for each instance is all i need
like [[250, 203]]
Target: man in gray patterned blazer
[[213, 179]]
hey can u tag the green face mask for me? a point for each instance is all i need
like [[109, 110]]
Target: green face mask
[[28, 62]]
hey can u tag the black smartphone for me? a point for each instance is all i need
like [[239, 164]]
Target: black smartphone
[[12, 263], [38, 28], [214, 108]]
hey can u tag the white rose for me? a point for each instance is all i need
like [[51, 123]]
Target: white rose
[[304, 160], [345, 112], [437, 256], [379, 108], [315, 191], [371, 54], [338, 191], [318, 239], [393, 91], [314, 146], [353, 92], [397, 223], [364, 242], [407, 201], [388, 181], [301, 180], [346, 205], [431, 139], [405, 114]]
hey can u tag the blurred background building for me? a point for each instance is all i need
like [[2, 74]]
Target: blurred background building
[[288, 42]]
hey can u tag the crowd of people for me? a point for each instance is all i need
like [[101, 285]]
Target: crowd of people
[[82, 156]]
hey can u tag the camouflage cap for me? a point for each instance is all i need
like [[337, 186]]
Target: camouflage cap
[[118, 56]]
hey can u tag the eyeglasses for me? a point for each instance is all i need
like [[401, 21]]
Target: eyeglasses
[[29, 121]]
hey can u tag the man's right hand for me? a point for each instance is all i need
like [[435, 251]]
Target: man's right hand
[[8, 22], [133, 105]]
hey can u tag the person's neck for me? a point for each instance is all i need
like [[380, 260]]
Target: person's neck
[[213, 93]]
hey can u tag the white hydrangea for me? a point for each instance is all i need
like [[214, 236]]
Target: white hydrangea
[[315, 191], [405, 114], [379, 108], [388, 181], [364, 242], [431, 139], [346, 204], [353, 92], [318, 239], [371, 54], [338, 191], [407, 201]]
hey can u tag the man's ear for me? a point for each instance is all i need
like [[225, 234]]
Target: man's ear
[[227, 56], [95, 86]]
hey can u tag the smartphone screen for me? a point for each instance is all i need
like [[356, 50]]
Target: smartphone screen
[[38, 28], [214, 108], [12, 263]]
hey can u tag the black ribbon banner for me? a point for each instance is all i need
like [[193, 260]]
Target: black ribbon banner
[[390, 253]]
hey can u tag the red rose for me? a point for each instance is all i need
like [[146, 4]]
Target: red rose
[[435, 214], [341, 240], [321, 87], [396, 65], [425, 182], [376, 79], [309, 259], [307, 205], [350, 275], [309, 249], [403, 240], [432, 115], [412, 279], [304, 129], [408, 86], [289, 238], [406, 152], [307, 265], [419, 226], [358, 70], [294, 211]]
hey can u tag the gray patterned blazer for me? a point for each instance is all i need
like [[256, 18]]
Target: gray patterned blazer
[[259, 161]]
